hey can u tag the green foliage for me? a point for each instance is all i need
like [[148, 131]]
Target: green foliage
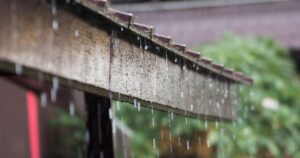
[[268, 111], [141, 123], [69, 134], [261, 131]]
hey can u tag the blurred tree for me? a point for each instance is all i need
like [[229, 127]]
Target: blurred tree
[[269, 110]]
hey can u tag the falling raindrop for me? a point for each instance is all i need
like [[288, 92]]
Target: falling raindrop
[[186, 120], [55, 25], [87, 136], [53, 8], [153, 122], [54, 89], [188, 145], [175, 60], [210, 85], [154, 143], [217, 124], [162, 135], [157, 48], [18, 69], [118, 105], [72, 109], [171, 146], [53, 95], [207, 143], [76, 33], [135, 103], [55, 83], [192, 107], [43, 98], [139, 106]]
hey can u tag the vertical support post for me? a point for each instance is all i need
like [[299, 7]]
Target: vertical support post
[[99, 126]]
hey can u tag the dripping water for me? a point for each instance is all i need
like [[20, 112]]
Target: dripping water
[[18, 69], [72, 109]]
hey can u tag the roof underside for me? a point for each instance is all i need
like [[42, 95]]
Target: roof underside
[[126, 20], [90, 47]]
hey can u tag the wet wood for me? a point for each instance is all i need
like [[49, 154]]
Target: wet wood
[[89, 53]]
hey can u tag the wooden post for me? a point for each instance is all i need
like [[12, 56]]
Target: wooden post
[[99, 126]]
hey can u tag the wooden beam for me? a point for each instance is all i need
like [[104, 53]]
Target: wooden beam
[[91, 53]]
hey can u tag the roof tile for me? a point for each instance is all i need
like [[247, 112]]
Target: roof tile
[[129, 18], [179, 47]]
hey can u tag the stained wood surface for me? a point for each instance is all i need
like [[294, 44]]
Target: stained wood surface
[[88, 52]]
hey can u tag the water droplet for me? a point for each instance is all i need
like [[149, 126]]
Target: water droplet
[[158, 48], [18, 69], [54, 89], [186, 121], [122, 29], [181, 94], [110, 113], [76, 33], [55, 25], [207, 143], [175, 60], [53, 95], [118, 105], [53, 8], [55, 83], [217, 124], [154, 143], [192, 106], [87, 136], [135, 103], [139, 106], [210, 85], [43, 98], [187, 145], [72, 109], [218, 105], [153, 122]]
